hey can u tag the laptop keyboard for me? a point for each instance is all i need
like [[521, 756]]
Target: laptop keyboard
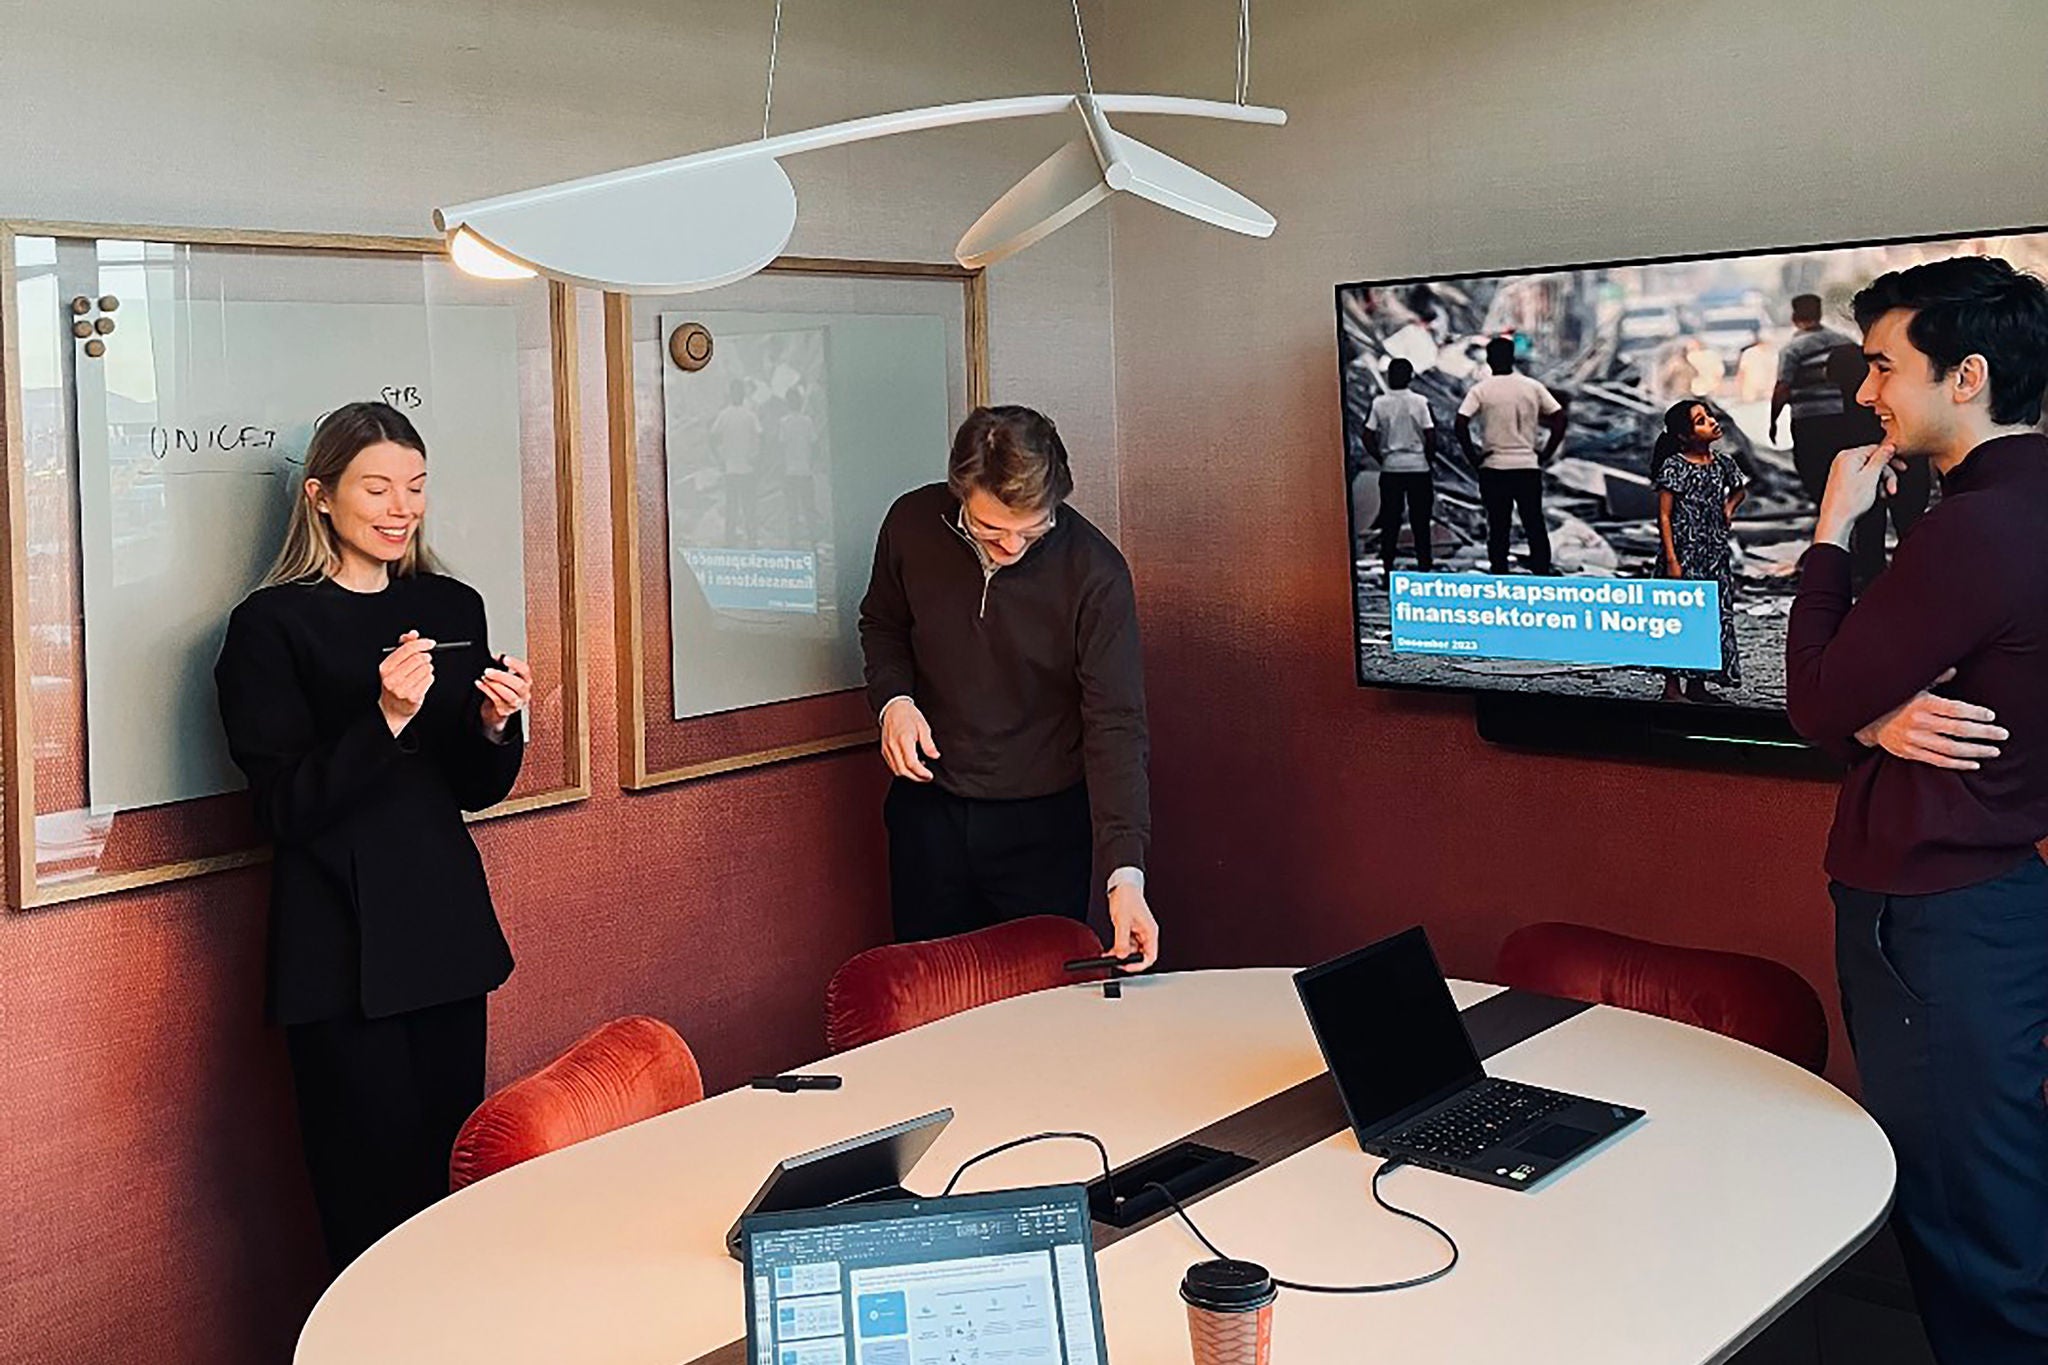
[[1492, 1111]]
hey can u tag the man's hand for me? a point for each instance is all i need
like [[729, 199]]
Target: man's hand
[[1937, 731], [1854, 481], [905, 732], [1136, 930]]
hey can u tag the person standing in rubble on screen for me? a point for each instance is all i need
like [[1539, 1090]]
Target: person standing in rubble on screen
[[1400, 431], [1511, 408], [1804, 387], [1698, 490]]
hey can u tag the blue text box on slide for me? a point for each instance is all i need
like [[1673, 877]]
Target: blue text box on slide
[[1606, 622]]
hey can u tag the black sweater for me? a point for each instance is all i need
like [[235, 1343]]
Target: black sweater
[[378, 901], [1032, 678]]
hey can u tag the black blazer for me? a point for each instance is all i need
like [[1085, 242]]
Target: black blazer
[[378, 901]]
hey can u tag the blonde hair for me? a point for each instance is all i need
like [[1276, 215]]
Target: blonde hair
[[311, 550]]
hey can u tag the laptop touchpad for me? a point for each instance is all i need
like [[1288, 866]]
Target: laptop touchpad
[[1555, 1141]]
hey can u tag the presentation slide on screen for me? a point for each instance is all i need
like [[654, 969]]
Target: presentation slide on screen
[[807, 1318], [986, 1309], [819, 1277], [827, 1352], [1611, 622]]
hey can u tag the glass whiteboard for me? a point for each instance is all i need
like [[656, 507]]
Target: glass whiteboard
[[160, 397]]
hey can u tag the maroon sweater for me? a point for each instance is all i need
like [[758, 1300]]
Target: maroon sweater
[[1968, 589]]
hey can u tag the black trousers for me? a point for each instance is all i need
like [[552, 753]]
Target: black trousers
[[1417, 494], [380, 1102], [1506, 491], [1946, 998], [957, 864]]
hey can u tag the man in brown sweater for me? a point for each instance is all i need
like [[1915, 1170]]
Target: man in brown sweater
[[1000, 633]]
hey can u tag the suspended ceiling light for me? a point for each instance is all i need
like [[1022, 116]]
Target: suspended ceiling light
[[1095, 165], [474, 257], [710, 218]]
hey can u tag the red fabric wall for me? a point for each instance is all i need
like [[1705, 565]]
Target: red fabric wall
[[1297, 815], [152, 1201]]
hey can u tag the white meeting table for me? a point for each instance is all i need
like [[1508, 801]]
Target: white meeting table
[[1676, 1242]]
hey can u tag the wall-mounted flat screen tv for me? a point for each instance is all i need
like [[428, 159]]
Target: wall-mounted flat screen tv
[[1516, 524]]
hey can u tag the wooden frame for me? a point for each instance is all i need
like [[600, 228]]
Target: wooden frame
[[629, 596], [24, 886]]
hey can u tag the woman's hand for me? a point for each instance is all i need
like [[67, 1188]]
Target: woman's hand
[[506, 692], [406, 674]]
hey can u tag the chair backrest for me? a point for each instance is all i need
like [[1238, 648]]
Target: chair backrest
[[627, 1070], [1754, 999], [901, 985]]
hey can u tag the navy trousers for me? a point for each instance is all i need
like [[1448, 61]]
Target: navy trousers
[[1946, 998]]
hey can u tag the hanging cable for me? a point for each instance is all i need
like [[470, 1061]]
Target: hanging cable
[[1087, 76], [774, 46], [1244, 51]]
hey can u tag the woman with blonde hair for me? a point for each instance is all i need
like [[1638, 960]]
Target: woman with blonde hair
[[361, 699]]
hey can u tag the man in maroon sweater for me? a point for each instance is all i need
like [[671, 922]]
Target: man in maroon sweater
[[1941, 897]]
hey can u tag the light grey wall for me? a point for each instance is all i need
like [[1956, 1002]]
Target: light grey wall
[[363, 115], [1468, 135], [1298, 815]]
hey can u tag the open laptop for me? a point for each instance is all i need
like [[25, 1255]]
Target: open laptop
[[866, 1169], [975, 1277], [1412, 1084]]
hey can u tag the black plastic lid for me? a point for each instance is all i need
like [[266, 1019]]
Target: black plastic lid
[[1227, 1286]]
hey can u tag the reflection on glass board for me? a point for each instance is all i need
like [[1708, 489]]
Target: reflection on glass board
[[783, 453], [190, 418], [750, 495]]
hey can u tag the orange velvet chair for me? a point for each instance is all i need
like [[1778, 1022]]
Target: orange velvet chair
[[1763, 1003], [630, 1069], [886, 990]]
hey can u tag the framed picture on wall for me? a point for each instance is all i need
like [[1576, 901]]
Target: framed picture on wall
[[759, 434], [160, 387]]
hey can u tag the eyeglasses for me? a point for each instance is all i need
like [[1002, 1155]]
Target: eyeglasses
[[989, 535]]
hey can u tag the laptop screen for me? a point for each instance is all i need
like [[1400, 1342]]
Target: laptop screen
[[926, 1280], [1388, 1029]]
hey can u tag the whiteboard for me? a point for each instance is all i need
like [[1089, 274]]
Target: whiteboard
[[191, 438], [771, 534]]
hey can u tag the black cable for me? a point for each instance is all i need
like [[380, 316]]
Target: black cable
[[1218, 1252], [1019, 1142], [1301, 1288]]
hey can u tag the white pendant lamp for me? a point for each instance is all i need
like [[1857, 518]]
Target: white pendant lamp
[[1088, 170], [710, 218]]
